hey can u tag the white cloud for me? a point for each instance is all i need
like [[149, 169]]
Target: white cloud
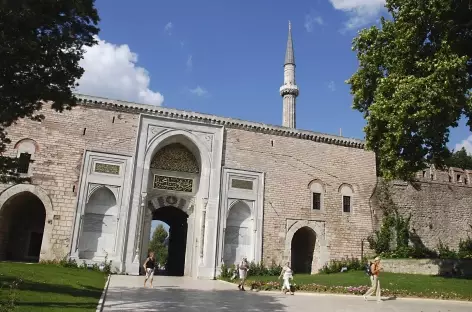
[[310, 21], [189, 62], [332, 86], [199, 91], [467, 143], [168, 28], [111, 71], [360, 12]]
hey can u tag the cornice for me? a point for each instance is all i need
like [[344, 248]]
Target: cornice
[[116, 105]]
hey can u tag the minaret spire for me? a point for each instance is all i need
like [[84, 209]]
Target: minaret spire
[[289, 90]]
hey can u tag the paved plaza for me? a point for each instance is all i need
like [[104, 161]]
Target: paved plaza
[[178, 294]]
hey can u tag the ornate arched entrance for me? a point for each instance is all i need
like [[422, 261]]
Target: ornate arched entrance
[[303, 248], [22, 220], [174, 180]]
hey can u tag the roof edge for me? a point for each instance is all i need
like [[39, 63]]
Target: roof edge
[[101, 102]]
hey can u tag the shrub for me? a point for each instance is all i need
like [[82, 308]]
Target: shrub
[[465, 249], [445, 252], [9, 303], [335, 266]]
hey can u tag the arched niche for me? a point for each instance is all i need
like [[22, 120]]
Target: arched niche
[[175, 167], [317, 192], [99, 225], [238, 239], [347, 197]]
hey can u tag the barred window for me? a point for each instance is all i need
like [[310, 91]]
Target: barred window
[[316, 201], [24, 162], [346, 203]]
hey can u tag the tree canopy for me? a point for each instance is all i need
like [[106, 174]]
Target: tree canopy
[[158, 244], [460, 159], [413, 82], [41, 45]]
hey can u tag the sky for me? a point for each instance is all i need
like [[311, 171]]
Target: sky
[[226, 58]]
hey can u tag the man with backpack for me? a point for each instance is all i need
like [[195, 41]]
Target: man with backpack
[[373, 271]]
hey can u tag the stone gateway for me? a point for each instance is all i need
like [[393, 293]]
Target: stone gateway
[[102, 172]]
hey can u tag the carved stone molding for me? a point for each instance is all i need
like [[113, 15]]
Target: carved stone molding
[[92, 187], [154, 131], [184, 203]]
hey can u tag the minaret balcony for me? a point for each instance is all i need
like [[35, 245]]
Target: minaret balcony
[[289, 89]]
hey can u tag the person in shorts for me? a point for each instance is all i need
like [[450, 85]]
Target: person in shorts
[[243, 267], [149, 267]]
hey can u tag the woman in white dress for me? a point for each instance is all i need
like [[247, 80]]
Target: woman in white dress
[[287, 275]]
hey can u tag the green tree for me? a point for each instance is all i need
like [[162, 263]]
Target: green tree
[[460, 159], [157, 244], [413, 82], [41, 45]]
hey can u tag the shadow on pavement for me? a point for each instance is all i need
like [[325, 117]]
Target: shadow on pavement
[[178, 299]]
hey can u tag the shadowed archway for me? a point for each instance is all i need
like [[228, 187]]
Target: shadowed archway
[[22, 220], [303, 247], [177, 243]]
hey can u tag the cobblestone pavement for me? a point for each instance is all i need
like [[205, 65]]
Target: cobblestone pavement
[[177, 294]]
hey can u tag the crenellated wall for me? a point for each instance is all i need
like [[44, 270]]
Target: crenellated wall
[[440, 204]]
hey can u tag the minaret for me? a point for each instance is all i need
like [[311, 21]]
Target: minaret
[[289, 90]]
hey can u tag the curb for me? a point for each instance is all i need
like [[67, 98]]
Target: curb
[[101, 302], [304, 293]]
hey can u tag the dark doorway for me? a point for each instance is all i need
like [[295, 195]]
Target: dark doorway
[[22, 220], [177, 243], [303, 247]]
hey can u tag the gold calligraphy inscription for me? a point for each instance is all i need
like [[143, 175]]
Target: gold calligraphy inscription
[[107, 168], [173, 183]]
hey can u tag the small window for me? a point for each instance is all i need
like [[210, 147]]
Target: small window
[[316, 201], [459, 178], [346, 203], [24, 162]]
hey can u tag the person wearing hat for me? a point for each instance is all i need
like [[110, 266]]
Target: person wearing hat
[[374, 278]]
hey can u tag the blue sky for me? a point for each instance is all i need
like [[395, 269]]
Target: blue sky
[[226, 57]]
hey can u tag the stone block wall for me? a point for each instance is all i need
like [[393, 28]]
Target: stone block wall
[[439, 209], [61, 140], [444, 267], [290, 164]]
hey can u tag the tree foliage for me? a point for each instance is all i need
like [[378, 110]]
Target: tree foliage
[[460, 159], [158, 244], [41, 45], [413, 82]]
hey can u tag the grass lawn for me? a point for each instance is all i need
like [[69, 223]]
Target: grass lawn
[[392, 284], [52, 288]]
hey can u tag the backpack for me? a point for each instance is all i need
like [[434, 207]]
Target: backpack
[[368, 269]]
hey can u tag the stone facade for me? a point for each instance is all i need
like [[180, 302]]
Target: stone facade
[[428, 266], [61, 140], [93, 163], [439, 205]]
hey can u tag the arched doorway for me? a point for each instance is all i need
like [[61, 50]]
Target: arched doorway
[[22, 219], [177, 242], [173, 185], [302, 249]]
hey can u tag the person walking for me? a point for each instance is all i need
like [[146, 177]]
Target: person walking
[[287, 275], [374, 278], [149, 267], [243, 267]]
